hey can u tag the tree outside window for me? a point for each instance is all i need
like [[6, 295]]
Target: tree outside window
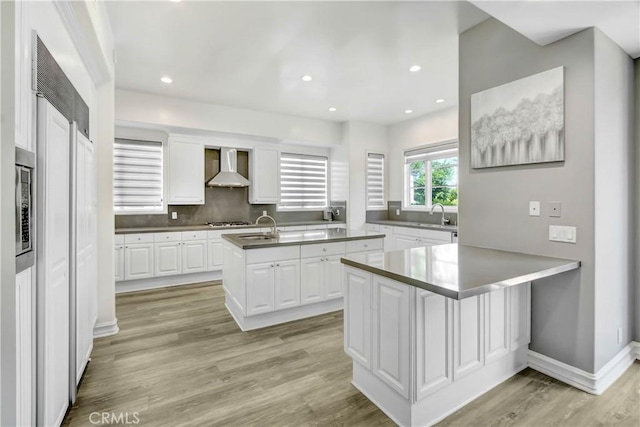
[[433, 181]]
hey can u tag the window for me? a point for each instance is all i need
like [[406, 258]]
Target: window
[[137, 177], [431, 176], [375, 181], [303, 182]]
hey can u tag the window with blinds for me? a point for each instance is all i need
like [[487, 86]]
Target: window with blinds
[[375, 180], [303, 182], [137, 176]]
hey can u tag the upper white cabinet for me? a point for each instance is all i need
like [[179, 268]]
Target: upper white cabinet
[[185, 171], [264, 164]]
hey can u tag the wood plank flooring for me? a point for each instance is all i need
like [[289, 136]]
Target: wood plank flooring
[[180, 360]]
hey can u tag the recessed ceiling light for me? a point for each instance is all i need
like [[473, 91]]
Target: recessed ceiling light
[[166, 79], [332, 109], [408, 111], [439, 100], [415, 68], [306, 78]]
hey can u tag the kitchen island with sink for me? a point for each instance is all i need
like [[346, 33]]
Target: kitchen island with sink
[[270, 279], [429, 329]]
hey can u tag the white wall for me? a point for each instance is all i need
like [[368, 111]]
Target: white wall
[[149, 109], [614, 220], [435, 127]]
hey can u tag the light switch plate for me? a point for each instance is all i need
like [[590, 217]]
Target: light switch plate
[[397, 211], [555, 209], [565, 234], [534, 208]]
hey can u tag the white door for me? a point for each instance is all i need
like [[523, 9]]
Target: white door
[[118, 263], [312, 280], [287, 284], [167, 258], [53, 265], [194, 256], [260, 288], [138, 261], [333, 276], [215, 254]]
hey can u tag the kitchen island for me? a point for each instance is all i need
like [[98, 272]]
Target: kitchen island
[[270, 280], [430, 329]]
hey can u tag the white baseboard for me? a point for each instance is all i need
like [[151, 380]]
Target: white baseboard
[[106, 329], [586, 381], [166, 281]]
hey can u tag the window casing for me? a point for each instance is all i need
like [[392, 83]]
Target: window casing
[[138, 180], [431, 176], [375, 181], [303, 182]]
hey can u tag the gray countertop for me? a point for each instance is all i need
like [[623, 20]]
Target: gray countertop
[[422, 225], [170, 228], [460, 271], [292, 238]]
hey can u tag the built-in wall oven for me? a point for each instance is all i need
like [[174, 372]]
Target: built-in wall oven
[[25, 168]]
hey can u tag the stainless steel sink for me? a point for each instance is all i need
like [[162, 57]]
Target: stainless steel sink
[[255, 237]]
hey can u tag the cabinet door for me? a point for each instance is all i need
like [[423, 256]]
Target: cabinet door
[[434, 342], [118, 263], [496, 327], [391, 355], [260, 288], [312, 281], [214, 253], [265, 176], [138, 261], [333, 276], [357, 316], [194, 256], [468, 333], [287, 284], [432, 242], [185, 178], [520, 322], [406, 242], [167, 258], [389, 244]]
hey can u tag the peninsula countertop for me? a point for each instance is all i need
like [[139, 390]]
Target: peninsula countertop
[[460, 271], [292, 238], [197, 227], [414, 224]]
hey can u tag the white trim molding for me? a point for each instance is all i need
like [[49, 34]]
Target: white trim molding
[[596, 383], [106, 329]]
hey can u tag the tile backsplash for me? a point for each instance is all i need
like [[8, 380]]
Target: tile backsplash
[[410, 216]]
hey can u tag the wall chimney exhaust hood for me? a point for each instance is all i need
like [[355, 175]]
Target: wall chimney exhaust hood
[[228, 175]]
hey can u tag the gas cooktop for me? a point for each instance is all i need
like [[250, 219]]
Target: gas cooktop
[[228, 223]]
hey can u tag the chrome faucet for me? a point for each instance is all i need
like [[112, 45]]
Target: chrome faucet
[[444, 221], [274, 229]]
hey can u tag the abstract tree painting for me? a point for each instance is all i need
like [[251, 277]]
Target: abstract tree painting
[[519, 122]]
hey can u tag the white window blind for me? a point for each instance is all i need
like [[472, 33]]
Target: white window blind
[[432, 152], [137, 176], [303, 182], [375, 180]]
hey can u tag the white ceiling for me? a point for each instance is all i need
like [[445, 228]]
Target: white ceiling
[[252, 54], [548, 21]]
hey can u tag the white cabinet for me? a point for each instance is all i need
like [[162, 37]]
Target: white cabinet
[[215, 254], [520, 328], [194, 256], [496, 339], [168, 258], [401, 242], [185, 171], [468, 334], [260, 288], [138, 261], [333, 277], [265, 175], [387, 230], [357, 316], [391, 349], [118, 262], [287, 284], [312, 283], [407, 238]]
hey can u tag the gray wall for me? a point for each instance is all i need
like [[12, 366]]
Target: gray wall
[[637, 196], [493, 207]]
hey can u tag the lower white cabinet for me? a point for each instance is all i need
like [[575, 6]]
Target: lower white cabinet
[[194, 256], [333, 277], [406, 242], [138, 261], [357, 316], [322, 279], [272, 285], [118, 263], [215, 254], [287, 284], [167, 258], [468, 334]]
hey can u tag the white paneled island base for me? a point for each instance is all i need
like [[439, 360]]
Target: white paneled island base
[[430, 329]]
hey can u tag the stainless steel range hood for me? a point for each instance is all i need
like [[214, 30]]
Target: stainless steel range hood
[[228, 175]]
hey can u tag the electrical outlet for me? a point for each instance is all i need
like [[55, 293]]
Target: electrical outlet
[[264, 212], [397, 211], [337, 212], [534, 208], [174, 215], [555, 209]]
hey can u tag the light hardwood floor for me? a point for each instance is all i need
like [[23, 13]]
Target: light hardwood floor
[[180, 360]]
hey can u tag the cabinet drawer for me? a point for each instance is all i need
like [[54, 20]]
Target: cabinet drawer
[[119, 239], [442, 236], [255, 256], [167, 237], [310, 251], [138, 238], [194, 235], [365, 245], [373, 228]]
